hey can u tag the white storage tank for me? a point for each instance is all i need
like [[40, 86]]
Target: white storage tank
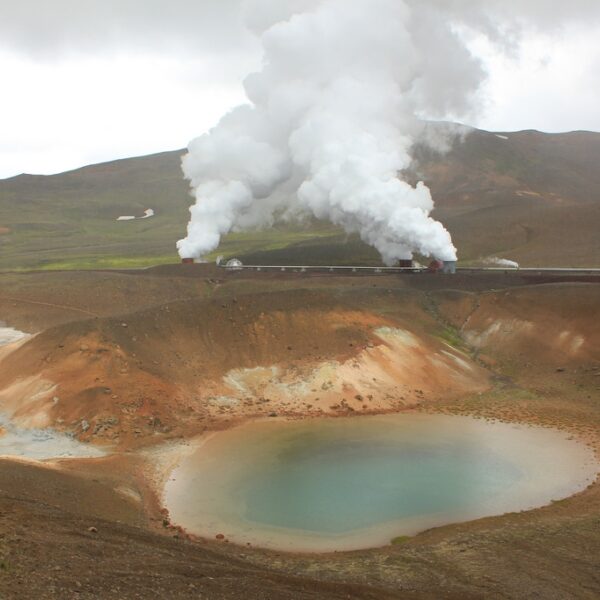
[[234, 265]]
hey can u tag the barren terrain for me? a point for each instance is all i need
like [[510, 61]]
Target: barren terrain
[[135, 363]]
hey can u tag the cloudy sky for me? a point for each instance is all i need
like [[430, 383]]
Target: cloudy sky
[[85, 81]]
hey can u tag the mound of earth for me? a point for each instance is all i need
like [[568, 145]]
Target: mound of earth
[[543, 324], [187, 365]]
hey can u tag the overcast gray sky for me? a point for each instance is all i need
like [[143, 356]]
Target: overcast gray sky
[[89, 80]]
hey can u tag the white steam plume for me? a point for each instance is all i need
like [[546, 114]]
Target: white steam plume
[[331, 122], [501, 262]]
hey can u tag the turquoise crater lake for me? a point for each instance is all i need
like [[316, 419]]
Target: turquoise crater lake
[[348, 483]]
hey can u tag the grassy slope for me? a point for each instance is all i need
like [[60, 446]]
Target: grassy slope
[[534, 198], [70, 219]]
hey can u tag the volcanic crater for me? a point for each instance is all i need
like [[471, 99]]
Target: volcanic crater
[[138, 365]]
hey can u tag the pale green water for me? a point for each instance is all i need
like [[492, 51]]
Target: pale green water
[[345, 483], [334, 483]]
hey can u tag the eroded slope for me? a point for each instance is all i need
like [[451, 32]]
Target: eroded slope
[[187, 365]]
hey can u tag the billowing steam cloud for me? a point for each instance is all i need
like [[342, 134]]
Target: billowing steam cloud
[[331, 122]]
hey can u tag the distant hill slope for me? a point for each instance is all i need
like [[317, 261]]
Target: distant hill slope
[[71, 218], [528, 196]]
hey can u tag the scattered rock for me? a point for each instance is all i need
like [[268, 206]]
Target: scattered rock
[[155, 422], [124, 325], [104, 425], [219, 536], [92, 530], [84, 425]]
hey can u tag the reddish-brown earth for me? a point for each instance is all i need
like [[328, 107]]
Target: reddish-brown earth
[[129, 361]]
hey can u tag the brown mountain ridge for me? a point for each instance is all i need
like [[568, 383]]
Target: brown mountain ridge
[[527, 196]]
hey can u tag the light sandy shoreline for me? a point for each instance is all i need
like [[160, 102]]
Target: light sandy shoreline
[[579, 467]]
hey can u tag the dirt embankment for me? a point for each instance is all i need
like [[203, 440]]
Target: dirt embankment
[[552, 324], [178, 368]]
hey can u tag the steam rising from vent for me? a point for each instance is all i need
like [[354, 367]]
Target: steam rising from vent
[[501, 262], [331, 123]]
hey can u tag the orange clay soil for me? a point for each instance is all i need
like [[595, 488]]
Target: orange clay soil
[[177, 369]]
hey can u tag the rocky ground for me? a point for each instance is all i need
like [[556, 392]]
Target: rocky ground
[[135, 361]]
